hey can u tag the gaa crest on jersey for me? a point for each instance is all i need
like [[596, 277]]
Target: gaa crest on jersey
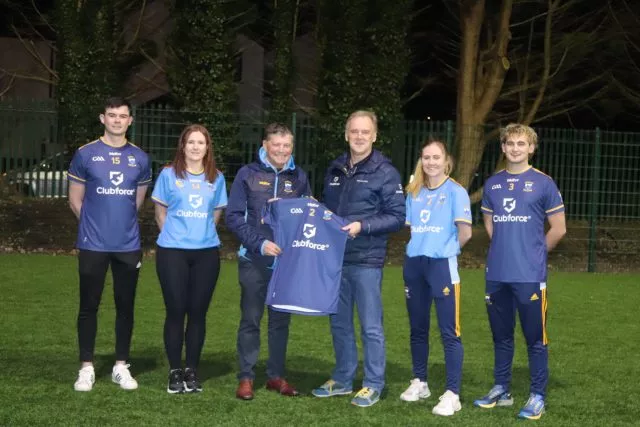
[[288, 187], [327, 215], [528, 186], [131, 161]]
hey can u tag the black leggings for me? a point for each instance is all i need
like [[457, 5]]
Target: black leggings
[[92, 266], [188, 278]]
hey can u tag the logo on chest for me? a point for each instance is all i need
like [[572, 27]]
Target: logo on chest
[[288, 187]]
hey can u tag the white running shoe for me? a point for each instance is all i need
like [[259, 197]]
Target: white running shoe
[[86, 379], [121, 375], [416, 391], [449, 404]]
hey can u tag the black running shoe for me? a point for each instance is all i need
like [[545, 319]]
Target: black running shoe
[[176, 381], [191, 382]]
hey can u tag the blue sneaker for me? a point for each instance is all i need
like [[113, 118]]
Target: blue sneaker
[[331, 388], [497, 396], [534, 408], [366, 397]]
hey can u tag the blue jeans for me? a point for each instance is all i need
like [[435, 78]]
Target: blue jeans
[[360, 286], [254, 280]]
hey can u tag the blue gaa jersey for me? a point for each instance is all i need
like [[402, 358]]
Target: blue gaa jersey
[[433, 216], [111, 177], [518, 205], [306, 278], [190, 203]]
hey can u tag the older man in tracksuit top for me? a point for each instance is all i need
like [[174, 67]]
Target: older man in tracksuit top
[[272, 175], [364, 188]]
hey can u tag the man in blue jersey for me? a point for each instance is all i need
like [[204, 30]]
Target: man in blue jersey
[[108, 179], [312, 242], [272, 175], [364, 188], [515, 204]]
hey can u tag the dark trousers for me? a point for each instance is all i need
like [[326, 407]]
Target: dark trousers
[[530, 300], [92, 267], [254, 279], [188, 278]]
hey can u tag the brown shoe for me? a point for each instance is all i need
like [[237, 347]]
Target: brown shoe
[[245, 389], [282, 386]]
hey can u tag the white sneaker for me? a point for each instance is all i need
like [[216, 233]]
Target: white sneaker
[[417, 390], [121, 375], [449, 404], [86, 379]]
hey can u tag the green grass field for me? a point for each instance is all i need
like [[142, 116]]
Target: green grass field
[[594, 346]]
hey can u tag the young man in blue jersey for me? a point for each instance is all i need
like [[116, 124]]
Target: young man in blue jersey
[[190, 195], [363, 188], [108, 180], [515, 205], [439, 214], [272, 175]]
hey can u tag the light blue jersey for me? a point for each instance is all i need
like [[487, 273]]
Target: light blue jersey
[[433, 216], [190, 203]]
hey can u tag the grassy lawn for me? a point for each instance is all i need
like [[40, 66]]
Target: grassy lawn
[[594, 345]]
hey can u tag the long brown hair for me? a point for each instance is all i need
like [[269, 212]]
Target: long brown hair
[[209, 161], [419, 179]]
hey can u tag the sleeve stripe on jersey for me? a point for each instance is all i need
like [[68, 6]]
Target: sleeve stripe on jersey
[[555, 209], [145, 182], [466, 221], [160, 202], [220, 207], [75, 178], [486, 209], [407, 223], [88, 144]]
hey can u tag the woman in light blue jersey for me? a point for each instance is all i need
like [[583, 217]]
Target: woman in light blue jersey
[[189, 196], [439, 214]]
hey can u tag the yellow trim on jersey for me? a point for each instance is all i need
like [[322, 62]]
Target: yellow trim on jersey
[[160, 202], [542, 173], [407, 223], [486, 209], [456, 295], [76, 177], [146, 181], [87, 144], [466, 221], [439, 185], [456, 182], [555, 209], [132, 144], [543, 305]]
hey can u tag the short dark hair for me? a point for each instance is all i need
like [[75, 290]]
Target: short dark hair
[[276, 128], [117, 101]]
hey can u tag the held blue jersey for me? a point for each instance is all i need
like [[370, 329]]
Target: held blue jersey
[[306, 278], [433, 217], [190, 203], [518, 205], [111, 176]]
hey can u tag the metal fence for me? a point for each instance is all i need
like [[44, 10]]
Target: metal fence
[[597, 171]]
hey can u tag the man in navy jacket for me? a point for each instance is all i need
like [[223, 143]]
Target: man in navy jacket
[[364, 188], [272, 175]]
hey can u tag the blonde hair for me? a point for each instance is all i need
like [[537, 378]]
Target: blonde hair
[[362, 113], [419, 180], [519, 129]]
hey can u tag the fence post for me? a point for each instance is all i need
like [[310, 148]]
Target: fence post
[[133, 129], [294, 120], [450, 136], [595, 196]]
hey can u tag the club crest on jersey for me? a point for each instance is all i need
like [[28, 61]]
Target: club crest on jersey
[[288, 187], [528, 186], [509, 204], [195, 200], [131, 161], [179, 183], [442, 198], [327, 215], [116, 177], [425, 214]]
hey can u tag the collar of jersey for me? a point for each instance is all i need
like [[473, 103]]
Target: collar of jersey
[[446, 177], [519, 173], [126, 142]]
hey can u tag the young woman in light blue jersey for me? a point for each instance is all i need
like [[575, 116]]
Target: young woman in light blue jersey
[[189, 196], [439, 214]]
